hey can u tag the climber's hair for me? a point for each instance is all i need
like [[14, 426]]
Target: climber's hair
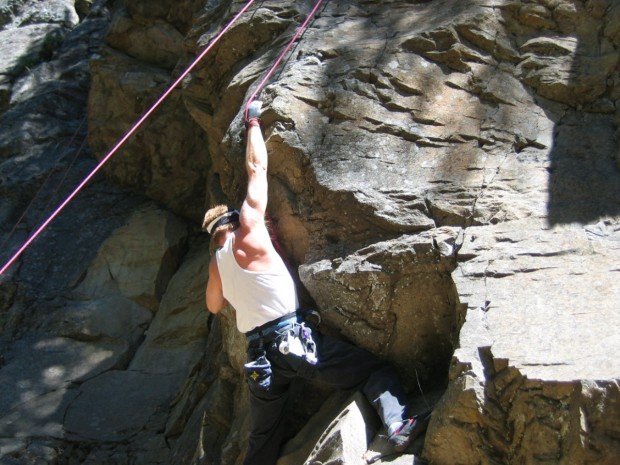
[[214, 213]]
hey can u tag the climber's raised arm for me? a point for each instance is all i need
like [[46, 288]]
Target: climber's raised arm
[[255, 204]]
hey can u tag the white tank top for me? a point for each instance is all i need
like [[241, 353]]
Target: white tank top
[[258, 297]]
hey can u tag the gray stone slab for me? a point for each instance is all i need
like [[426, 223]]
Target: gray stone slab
[[177, 335], [138, 259], [39, 417], [20, 47], [118, 404], [110, 318], [339, 433], [37, 366], [550, 296]]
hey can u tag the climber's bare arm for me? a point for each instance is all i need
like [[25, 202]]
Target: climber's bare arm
[[215, 294], [255, 204], [253, 247]]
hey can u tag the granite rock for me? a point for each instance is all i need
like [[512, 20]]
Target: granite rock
[[138, 260], [443, 176]]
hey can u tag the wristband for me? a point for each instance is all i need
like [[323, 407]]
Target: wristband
[[253, 122]]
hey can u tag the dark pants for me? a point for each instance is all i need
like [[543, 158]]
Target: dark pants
[[341, 365]]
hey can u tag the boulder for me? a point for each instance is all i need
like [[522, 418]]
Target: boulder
[[521, 350], [172, 149], [37, 366], [117, 405], [394, 298], [113, 318], [138, 260], [22, 47], [158, 43], [299, 448], [345, 439], [176, 338]]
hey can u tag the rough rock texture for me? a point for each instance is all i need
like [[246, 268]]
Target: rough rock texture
[[381, 298], [347, 437], [533, 377], [124, 262], [168, 169], [347, 430], [68, 331], [443, 175]]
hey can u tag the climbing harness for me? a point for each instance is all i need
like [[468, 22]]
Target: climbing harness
[[124, 139], [291, 335]]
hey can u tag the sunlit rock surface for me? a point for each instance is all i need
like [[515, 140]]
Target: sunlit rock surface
[[443, 179]]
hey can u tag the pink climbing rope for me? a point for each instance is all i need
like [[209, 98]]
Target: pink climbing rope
[[127, 135], [44, 183], [272, 233], [272, 70]]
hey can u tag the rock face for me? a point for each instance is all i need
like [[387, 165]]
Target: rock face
[[529, 378], [381, 298], [347, 438], [123, 264], [443, 176]]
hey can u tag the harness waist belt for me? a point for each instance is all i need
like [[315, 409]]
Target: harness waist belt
[[269, 328]]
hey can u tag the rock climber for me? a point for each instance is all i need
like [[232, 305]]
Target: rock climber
[[248, 273]]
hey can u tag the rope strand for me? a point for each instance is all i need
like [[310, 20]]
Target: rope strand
[[127, 135], [272, 232], [42, 186], [273, 68]]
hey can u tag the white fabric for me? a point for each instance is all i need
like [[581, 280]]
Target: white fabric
[[257, 296]]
